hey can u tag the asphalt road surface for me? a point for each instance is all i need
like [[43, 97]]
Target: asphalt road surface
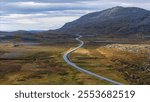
[[66, 58]]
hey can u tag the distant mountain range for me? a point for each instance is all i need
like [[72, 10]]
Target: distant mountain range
[[11, 33], [116, 20]]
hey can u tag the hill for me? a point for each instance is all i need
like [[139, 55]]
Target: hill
[[116, 20]]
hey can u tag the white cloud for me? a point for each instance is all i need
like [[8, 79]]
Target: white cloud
[[18, 16], [42, 23], [46, 20], [28, 4], [43, 5]]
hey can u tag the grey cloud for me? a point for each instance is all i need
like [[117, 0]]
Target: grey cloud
[[66, 1], [50, 1], [134, 1], [17, 8]]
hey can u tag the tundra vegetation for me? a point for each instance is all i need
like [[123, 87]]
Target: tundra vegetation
[[124, 60], [41, 61]]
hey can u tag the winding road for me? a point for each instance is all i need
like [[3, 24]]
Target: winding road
[[66, 58]]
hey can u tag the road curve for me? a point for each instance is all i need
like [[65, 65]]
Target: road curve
[[66, 58]]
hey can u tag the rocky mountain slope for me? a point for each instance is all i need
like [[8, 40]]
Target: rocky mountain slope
[[116, 20]]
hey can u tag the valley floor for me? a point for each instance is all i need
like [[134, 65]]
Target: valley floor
[[40, 64], [43, 63], [126, 62]]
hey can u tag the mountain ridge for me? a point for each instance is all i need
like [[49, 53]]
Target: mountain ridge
[[116, 20]]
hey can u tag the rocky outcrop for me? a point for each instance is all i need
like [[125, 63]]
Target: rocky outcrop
[[142, 48]]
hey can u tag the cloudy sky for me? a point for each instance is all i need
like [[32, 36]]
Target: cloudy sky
[[52, 14]]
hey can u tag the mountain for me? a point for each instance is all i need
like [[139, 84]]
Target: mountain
[[15, 32], [116, 20]]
